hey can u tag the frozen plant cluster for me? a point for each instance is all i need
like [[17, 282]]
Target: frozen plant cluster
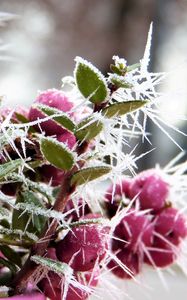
[[73, 206]]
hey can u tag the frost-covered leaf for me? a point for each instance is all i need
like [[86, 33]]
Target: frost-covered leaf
[[90, 81], [9, 167], [133, 67], [62, 119], [88, 174], [121, 108], [11, 255], [53, 265], [88, 129], [25, 221], [119, 81], [57, 153]]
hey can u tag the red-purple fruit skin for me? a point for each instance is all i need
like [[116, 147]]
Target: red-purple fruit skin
[[170, 229], [151, 190], [161, 255], [53, 98], [130, 260], [53, 288], [133, 231], [82, 246], [171, 224]]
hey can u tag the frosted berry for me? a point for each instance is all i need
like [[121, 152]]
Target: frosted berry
[[53, 98], [133, 231], [114, 196], [82, 246], [53, 286], [151, 189], [162, 254], [171, 224], [127, 259]]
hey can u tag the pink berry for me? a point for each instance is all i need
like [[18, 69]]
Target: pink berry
[[114, 196], [82, 246], [129, 260], [162, 254], [151, 190], [53, 285], [171, 224], [133, 232], [53, 98]]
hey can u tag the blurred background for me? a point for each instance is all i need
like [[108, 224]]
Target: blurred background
[[39, 43]]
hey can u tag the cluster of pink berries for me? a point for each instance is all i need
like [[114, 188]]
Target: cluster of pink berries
[[151, 231]]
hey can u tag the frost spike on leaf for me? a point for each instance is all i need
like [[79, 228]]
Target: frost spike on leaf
[[88, 132], [22, 220], [89, 174], [9, 167], [53, 265], [90, 81], [62, 119], [122, 108], [57, 153]]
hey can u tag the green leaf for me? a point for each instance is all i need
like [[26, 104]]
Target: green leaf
[[122, 108], [11, 255], [133, 67], [120, 82], [90, 81], [8, 264], [116, 70], [88, 129], [53, 265], [62, 119], [88, 174], [9, 167], [57, 153], [23, 220]]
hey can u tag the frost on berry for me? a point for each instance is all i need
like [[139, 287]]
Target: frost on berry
[[161, 254], [151, 190], [171, 224], [170, 229], [116, 195], [53, 98], [133, 231], [82, 247], [129, 265]]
